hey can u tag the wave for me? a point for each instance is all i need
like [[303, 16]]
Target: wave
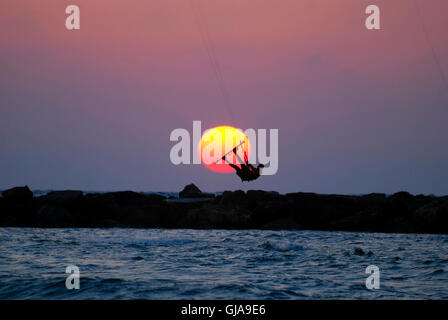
[[280, 246], [155, 242]]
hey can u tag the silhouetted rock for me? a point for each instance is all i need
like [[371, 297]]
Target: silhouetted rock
[[374, 197], [191, 191], [126, 197], [315, 211], [404, 204], [261, 195], [17, 207], [258, 209], [360, 221], [64, 196], [54, 216], [235, 198], [433, 217], [18, 194], [215, 216]]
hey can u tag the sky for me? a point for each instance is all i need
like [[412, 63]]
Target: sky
[[357, 110]]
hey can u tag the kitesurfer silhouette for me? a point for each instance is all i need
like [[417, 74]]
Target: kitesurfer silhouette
[[246, 171]]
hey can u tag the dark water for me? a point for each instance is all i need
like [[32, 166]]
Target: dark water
[[218, 264]]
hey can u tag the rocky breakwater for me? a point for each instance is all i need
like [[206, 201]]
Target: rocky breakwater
[[254, 209]]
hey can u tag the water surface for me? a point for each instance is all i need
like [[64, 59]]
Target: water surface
[[220, 264]]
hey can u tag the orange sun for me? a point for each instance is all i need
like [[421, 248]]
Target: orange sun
[[218, 141]]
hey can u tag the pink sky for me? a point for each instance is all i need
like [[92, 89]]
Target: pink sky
[[357, 111]]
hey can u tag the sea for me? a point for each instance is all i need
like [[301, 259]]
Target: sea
[[124, 264]]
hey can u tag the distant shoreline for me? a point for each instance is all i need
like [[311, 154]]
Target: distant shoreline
[[255, 209]]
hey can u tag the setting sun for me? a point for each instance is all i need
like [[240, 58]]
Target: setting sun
[[217, 142]]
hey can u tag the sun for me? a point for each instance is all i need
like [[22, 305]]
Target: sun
[[219, 141]]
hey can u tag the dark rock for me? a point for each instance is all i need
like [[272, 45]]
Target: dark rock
[[401, 196], [402, 203], [54, 216], [17, 207], [314, 211], [368, 220], [18, 194], [433, 217], [235, 198], [358, 251], [267, 212], [155, 198], [260, 195], [374, 196], [267, 245], [400, 224], [126, 197], [214, 216], [401, 212], [191, 191], [64, 196]]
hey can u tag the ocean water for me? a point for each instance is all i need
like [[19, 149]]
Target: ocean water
[[220, 264]]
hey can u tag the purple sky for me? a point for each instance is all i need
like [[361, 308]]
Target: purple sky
[[358, 111]]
